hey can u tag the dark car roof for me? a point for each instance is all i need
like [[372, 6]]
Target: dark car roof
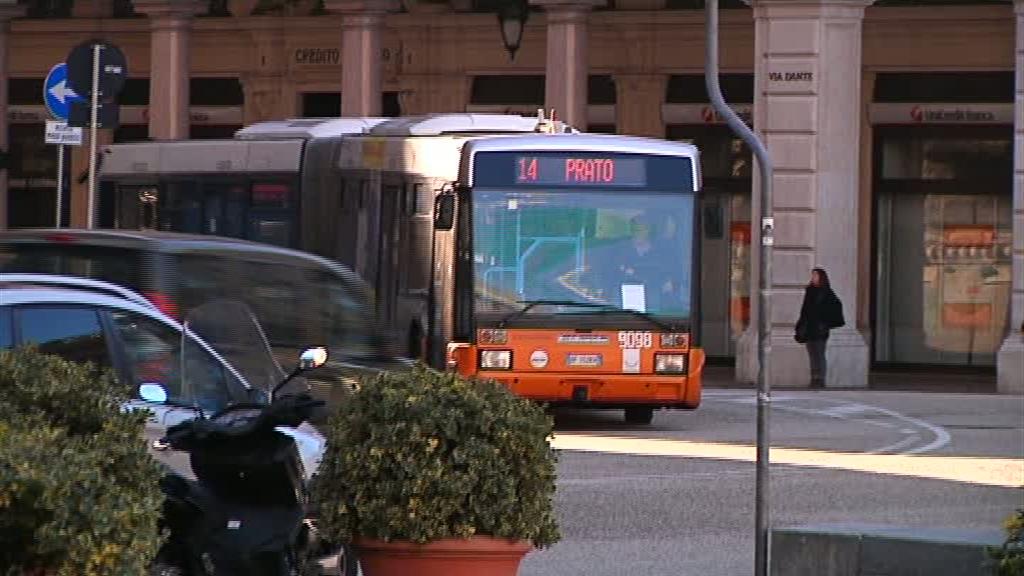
[[171, 242]]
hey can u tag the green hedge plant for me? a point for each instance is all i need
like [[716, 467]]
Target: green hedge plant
[[79, 492], [423, 455], [1008, 559]]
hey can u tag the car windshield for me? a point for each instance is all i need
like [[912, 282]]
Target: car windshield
[[619, 249]]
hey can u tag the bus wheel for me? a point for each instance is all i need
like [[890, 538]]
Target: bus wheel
[[639, 415]]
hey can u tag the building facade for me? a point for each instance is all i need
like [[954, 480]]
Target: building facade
[[897, 134]]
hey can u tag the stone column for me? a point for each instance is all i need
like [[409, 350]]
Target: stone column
[[567, 67], [361, 22], [170, 27], [8, 9], [1010, 362], [808, 107], [638, 101]]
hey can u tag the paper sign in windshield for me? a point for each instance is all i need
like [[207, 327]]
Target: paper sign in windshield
[[633, 297]]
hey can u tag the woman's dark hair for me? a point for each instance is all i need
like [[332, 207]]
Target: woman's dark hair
[[825, 283]]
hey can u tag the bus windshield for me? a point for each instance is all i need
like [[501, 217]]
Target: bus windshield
[[617, 248]]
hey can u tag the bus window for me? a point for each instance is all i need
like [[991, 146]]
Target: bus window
[[271, 217], [182, 207], [225, 205], [271, 195]]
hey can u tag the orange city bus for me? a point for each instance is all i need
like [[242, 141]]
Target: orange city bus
[[562, 264], [575, 269]]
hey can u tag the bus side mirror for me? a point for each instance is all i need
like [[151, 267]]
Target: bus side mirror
[[444, 211]]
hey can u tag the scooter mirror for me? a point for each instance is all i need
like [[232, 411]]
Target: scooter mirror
[[312, 358], [153, 393]]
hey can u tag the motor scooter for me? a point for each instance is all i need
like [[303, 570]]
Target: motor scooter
[[246, 510]]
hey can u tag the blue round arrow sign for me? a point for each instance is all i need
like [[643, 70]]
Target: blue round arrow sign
[[57, 94]]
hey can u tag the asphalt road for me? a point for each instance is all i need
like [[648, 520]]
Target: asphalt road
[[676, 497]]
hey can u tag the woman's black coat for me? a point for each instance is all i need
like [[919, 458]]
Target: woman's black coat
[[820, 312]]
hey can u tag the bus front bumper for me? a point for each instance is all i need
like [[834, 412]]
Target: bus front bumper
[[603, 390]]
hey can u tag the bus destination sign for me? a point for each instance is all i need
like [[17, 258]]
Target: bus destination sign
[[582, 169], [575, 171]]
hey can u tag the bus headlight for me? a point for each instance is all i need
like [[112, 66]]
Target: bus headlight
[[495, 359], [670, 363]]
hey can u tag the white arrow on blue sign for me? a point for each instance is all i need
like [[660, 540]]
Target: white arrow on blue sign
[[57, 94]]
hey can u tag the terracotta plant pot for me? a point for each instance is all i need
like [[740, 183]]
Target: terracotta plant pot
[[476, 556]]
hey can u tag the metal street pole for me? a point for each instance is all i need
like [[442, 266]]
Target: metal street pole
[[93, 114], [60, 183], [761, 492]]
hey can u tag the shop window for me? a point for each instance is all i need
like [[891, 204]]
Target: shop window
[[969, 160], [125, 9], [25, 91], [515, 90], [699, 4], [215, 92], [47, 8], [493, 6], [691, 89], [31, 157], [723, 155], [601, 89], [970, 87], [212, 131], [131, 133], [134, 93], [328, 105], [935, 2]]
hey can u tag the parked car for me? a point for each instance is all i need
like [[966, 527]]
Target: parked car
[[299, 298], [84, 320]]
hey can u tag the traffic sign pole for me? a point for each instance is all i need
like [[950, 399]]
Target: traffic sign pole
[[93, 113], [60, 182]]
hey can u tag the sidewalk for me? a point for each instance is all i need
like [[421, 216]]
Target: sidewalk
[[887, 380]]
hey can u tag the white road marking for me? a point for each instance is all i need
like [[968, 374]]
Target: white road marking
[[1002, 472], [908, 441], [846, 410]]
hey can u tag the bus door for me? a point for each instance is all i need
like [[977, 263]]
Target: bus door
[[388, 273]]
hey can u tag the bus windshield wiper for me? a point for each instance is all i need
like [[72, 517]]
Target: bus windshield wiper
[[531, 303], [599, 308], [609, 309]]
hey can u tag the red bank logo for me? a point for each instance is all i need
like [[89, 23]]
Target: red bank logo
[[916, 114], [708, 114]]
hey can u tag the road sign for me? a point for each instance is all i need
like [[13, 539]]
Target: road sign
[[57, 94], [112, 73], [108, 114], [60, 133]]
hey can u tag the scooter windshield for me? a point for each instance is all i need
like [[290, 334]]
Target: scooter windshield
[[232, 331]]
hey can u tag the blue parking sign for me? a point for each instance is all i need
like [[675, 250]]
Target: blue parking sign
[[57, 94]]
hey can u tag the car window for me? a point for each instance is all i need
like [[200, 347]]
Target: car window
[[117, 265], [71, 332], [6, 331], [153, 351]]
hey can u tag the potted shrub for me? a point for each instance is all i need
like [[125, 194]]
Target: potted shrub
[[79, 492], [428, 473], [1008, 559]]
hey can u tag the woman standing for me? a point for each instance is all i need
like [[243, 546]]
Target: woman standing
[[821, 311]]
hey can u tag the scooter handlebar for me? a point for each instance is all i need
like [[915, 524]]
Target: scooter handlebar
[[284, 411]]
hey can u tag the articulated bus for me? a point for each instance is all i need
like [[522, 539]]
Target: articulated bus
[[561, 264]]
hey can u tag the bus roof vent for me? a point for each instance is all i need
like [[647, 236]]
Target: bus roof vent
[[306, 128], [439, 124]]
